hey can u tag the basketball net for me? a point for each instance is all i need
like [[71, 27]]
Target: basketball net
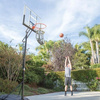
[[39, 28]]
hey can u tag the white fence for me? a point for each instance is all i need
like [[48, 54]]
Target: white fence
[[81, 86], [77, 86]]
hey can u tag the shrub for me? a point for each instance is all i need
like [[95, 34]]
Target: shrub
[[32, 75], [85, 75], [95, 66], [7, 86], [50, 80], [42, 90], [48, 67], [61, 75], [93, 84], [27, 88]]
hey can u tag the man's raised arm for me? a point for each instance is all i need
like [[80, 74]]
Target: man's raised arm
[[69, 62], [65, 61]]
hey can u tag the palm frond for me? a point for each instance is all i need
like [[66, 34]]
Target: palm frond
[[83, 34]]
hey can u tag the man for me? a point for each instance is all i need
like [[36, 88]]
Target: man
[[68, 68]]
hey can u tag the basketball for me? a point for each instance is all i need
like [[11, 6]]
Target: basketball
[[61, 34]]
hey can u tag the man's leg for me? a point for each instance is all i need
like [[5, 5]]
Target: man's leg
[[65, 90], [65, 87], [71, 89], [66, 82]]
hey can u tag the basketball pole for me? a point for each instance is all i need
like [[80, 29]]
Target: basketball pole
[[28, 32]]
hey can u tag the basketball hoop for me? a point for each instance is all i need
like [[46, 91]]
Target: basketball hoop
[[39, 26], [29, 20]]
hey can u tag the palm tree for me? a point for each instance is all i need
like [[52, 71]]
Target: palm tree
[[42, 48], [45, 49], [96, 38], [86, 46], [89, 35]]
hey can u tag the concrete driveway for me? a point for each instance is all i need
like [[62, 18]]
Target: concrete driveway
[[60, 96]]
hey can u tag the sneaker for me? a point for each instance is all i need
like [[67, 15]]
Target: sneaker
[[71, 93], [65, 93]]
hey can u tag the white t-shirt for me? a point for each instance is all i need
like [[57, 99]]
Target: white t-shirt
[[67, 71]]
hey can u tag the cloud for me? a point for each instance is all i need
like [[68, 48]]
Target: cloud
[[15, 38], [69, 16], [9, 34], [60, 16]]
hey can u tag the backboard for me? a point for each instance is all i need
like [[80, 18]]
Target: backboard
[[33, 22], [30, 18]]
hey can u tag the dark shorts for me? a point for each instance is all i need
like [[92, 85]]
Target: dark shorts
[[67, 80]]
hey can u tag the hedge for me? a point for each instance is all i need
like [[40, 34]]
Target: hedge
[[85, 75], [82, 75], [61, 74], [32, 75], [95, 66]]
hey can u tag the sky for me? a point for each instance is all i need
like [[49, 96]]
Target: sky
[[61, 16]]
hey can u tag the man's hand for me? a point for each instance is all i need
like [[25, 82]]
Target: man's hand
[[66, 58]]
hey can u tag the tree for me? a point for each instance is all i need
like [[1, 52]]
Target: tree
[[81, 59], [96, 38], [61, 49], [89, 35], [86, 47], [45, 50], [10, 62]]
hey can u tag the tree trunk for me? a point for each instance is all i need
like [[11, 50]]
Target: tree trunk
[[95, 57], [97, 51], [92, 51]]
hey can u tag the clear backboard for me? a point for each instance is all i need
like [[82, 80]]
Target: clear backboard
[[30, 18], [33, 22]]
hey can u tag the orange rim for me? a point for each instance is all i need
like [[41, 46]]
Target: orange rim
[[35, 26]]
